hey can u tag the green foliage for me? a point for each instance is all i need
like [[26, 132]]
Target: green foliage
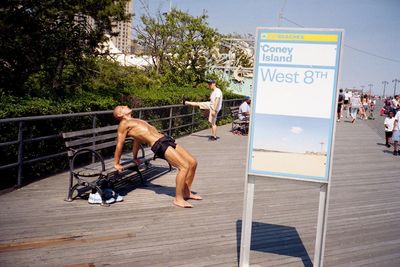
[[33, 106], [180, 46], [47, 46]]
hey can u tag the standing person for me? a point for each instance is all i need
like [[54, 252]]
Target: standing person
[[355, 104], [389, 123], [340, 104], [214, 106], [396, 133], [346, 106], [162, 146], [395, 104]]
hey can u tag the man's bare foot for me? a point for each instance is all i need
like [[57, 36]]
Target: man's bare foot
[[194, 197], [182, 204]]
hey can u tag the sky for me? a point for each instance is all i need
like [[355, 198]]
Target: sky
[[371, 52]]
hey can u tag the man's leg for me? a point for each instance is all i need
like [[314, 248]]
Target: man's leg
[[214, 130], [178, 161], [201, 105], [213, 120], [353, 114], [190, 175]]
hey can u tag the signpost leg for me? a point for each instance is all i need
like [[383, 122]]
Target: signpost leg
[[321, 227], [247, 222]]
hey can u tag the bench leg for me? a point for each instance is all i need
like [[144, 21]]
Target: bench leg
[[140, 175], [70, 188]]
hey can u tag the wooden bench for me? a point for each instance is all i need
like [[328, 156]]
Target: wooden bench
[[238, 124], [88, 168]]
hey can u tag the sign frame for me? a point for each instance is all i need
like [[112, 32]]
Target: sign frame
[[274, 117], [251, 176]]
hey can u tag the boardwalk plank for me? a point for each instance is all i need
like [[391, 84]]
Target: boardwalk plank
[[147, 230]]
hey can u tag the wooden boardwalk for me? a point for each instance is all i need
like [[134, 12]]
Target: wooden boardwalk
[[37, 228]]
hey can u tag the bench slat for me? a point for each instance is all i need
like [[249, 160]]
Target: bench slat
[[95, 147], [89, 131], [89, 140]]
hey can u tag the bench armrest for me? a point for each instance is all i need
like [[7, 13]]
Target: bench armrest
[[82, 151]]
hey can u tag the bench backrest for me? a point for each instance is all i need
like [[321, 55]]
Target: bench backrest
[[96, 139], [234, 112]]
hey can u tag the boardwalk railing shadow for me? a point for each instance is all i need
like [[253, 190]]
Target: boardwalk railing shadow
[[277, 239], [201, 135]]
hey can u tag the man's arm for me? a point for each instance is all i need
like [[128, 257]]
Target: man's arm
[[121, 135], [135, 150]]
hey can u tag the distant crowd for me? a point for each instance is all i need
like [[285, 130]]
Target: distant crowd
[[391, 109], [353, 105]]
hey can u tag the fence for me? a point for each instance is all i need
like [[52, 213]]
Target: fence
[[168, 119]]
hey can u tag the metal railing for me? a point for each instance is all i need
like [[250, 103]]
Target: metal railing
[[20, 125]]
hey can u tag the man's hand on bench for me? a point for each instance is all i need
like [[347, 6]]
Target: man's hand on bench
[[121, 168], [118, 167]]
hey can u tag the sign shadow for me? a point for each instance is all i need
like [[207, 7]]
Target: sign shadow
[[277, 239]]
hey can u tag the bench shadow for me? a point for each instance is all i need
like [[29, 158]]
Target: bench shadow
[[273, 238], [132, 182]]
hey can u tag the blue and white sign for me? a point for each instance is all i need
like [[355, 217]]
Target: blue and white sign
[[294, 103]]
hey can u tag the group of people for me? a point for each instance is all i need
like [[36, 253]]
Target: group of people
[[391, 104], [164, 146], [362, 107], [392, 123], [355, 105]]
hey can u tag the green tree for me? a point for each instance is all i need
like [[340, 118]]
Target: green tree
[[47, 47], [180, 45]]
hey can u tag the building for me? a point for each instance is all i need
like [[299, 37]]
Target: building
[[123, 40]]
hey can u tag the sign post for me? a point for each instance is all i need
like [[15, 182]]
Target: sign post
[[293, 117]]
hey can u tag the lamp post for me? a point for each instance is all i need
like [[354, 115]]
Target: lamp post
[[395, 83], [384, 87], [370, 88], [362, 89]]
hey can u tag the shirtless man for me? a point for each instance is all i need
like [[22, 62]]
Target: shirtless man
[[162, 146]]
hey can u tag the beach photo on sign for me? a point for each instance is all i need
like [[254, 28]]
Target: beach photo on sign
[[290, 146]]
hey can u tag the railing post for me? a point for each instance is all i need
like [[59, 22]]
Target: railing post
[[140, 114], [94, 119], [193, 112], [170, 122], [20, 153]]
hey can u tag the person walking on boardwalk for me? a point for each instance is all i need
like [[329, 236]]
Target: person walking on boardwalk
[[162, 146], [396, 134], [389, 123], [214, 106], [340, 105], [346, 104], [355, 104]]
